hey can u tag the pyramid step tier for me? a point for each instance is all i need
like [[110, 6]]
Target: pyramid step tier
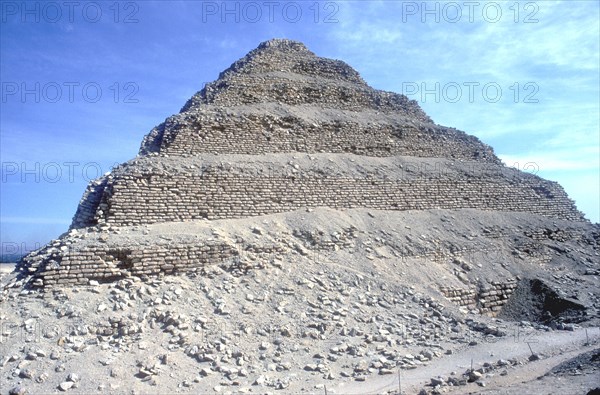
[[279, 87], [108, 253], [302, 65], [161, 189], [309, 129]]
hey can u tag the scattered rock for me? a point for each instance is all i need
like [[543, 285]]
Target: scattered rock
[[474, 376], [26, 373], [66, 385], [74, 377], [18, 390]]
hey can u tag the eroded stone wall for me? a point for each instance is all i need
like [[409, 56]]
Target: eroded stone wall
[[487, 299], [134, 199], [257, 134], [466, 297], [104, 263], [291, 57], [280, 88], [283, 71]]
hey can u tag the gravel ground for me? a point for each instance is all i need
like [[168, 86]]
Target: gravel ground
[[300, 319]]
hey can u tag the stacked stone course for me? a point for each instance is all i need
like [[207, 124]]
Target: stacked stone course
[[134, 199], [487, 299], [230, 133], [493, 297], [466, 297], [271, 87], [106, 263]]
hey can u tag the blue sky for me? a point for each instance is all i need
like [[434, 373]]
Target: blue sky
[[83, 83]]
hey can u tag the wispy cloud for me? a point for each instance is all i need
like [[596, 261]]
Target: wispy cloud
[[585, 158], [559, 53]]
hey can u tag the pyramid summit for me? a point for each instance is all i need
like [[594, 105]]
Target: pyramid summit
[[292, 225]]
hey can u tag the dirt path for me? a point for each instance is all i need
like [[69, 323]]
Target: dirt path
[[557, 347]]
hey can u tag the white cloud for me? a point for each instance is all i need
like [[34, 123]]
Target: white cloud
[[583, 159]]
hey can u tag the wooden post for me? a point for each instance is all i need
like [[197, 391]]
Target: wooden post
[[529, 345], [399, 383]]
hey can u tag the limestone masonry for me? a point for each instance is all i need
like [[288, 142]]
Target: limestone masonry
[[293, 230], [284, 130]]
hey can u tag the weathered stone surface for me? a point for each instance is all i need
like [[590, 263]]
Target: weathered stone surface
[[278, 131], [157, 189]]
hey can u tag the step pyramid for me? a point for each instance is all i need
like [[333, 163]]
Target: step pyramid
[[283, 133], [294, 229], [227, 154]]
